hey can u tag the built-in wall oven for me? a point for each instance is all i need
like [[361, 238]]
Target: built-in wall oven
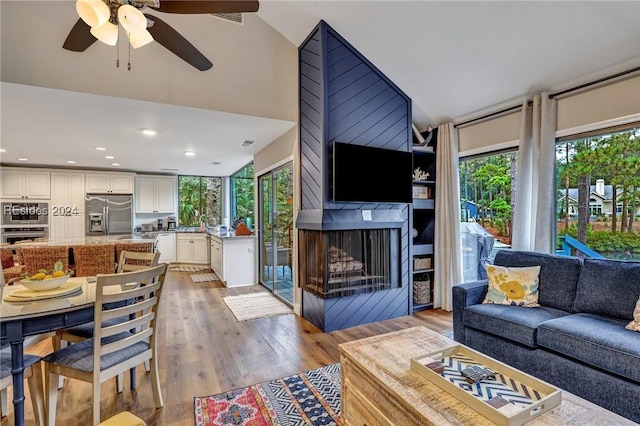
[[23, 221], [20, 214], [12, 235]]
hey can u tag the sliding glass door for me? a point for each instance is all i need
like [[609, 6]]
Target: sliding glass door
[[276, 231]]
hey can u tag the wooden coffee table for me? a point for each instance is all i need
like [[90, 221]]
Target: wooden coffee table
[[379, 388]]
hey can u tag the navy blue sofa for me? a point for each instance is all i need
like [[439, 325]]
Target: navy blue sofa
[[576, 339]]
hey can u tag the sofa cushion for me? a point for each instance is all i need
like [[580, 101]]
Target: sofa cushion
[[598, 341], [512, 286], [608, 287], [558, 275], [510, 322]]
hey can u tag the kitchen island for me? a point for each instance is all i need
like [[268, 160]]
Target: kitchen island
[[233, 259]]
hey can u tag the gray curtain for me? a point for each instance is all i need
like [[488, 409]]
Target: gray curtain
[[534, 215], [447, 238]]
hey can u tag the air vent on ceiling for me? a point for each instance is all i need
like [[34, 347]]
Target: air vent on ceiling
[[170, 170], [235, 17], [247, 143]]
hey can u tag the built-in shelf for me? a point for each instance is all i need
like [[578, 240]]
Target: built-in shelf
[[422, 203], [423, 217], [419, 249]]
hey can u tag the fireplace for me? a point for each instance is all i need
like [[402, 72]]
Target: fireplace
[[347, 262]]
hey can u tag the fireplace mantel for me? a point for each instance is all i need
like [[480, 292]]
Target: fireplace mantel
[[347, 219]]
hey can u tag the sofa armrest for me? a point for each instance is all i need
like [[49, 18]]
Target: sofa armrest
[[467, 294]]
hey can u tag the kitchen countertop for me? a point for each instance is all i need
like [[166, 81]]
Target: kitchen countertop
[[196, 230], [127, 238]]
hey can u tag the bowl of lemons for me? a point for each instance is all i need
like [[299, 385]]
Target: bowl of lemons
[[46, 279]]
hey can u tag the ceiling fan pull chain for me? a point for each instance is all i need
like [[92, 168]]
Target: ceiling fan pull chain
[[118, 53], [129, 64]]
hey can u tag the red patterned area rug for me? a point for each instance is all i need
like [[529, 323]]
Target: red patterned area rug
[[309, 398]]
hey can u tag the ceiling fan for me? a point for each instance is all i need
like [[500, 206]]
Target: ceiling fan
[[82, 34]]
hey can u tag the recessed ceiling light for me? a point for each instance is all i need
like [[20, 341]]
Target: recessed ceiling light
[[115, 164], [109, 157], [23, 159], [99, 148], [149, 132], [3, 150], [71, 162], [189, 153]]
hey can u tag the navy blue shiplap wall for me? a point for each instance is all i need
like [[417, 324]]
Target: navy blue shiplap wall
[[345, 98]]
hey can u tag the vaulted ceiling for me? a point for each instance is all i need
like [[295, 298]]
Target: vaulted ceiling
[[455, 60]]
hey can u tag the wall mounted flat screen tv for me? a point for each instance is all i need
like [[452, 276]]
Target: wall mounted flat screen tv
[[371, 175]]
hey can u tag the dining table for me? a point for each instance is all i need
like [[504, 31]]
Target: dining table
[[38, 316]]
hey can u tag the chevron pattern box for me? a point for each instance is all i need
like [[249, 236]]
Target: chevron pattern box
[[510, 398]]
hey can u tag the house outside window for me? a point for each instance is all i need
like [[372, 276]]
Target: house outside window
[[199, 200], [598, 177]]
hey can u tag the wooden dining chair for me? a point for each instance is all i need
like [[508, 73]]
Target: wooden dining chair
[[10, 271], [33, 374], [93, 259], [85, 331], [43, 257], [114, 349], [145, 247], [135, 261]]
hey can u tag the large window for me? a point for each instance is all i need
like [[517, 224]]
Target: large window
[[242, 195], [486, 188], [200, 200], [486, 185], [598, 194]]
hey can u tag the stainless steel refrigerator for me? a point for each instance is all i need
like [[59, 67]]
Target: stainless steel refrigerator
[[108, 214]]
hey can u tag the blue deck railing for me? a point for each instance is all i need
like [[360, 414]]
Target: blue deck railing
[[568, 243]]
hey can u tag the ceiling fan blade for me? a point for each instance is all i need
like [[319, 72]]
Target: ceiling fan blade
[[79, 38], [207, 6], [164, 34]]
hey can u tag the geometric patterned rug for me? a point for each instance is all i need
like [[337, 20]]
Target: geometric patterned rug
[[200, 278], [309, 398], [187, 268]]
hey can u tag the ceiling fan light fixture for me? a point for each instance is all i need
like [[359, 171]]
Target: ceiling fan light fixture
[[107, 33], [94, 13], [131, 19], [140, 38]]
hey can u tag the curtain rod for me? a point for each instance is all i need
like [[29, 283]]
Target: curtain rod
[[551, 96]]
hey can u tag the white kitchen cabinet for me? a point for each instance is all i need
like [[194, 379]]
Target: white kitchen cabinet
[[166, 245], [66, 227], [216, 255], [234, 261], [109, 183], [193, 248], [155, 194], [21, 183], [67, 205], [67, 191]]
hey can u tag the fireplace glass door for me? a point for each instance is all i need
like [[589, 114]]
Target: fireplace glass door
[[276, 231]]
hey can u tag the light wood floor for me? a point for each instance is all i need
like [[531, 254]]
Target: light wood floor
[[204, 351]]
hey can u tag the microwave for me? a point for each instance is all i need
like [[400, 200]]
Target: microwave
[[21, 213]]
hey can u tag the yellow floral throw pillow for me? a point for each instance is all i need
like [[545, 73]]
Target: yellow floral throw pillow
[[634, 325], [512, 286]]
